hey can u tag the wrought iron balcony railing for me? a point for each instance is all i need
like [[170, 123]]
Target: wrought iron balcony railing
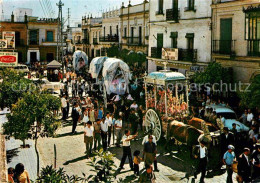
[[134, 41], [253, 48], [187, 55], [95, 40], [226, 47], [172, 15], [109, 39]]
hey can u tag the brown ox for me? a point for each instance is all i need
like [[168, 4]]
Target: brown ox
[[196, 122], [183, 133]]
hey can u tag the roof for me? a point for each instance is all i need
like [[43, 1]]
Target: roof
[[54, 64], [220, 109], [166, 75]]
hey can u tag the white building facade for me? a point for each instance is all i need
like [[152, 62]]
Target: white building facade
[[182, 29]]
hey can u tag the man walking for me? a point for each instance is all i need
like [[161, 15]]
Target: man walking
[[97, 135], [201, 153], [118, 129], [228, 159], [88, 138], [75, 117], [226, 138], [104, 129], [127, 149]]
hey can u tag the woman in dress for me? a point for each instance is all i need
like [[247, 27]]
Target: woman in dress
[[21, 174], [92, 115]]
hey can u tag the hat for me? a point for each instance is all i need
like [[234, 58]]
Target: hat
[[231, 147]]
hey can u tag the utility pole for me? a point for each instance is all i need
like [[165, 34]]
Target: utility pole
[[68, 17], [60, 35]]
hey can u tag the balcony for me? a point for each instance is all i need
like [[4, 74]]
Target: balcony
[[156, 52], [225, 47], [78, 42], [253, 48], [95, 41], [33, 42], [183, 54], [47, 41], [137, 41], [222, 1], [187, 55], [85, 41], [172, 15], [109, 39]]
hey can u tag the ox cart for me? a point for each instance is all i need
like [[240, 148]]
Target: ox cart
[[167, 103]]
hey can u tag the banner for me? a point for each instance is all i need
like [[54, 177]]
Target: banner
[[3, 43], [10, 37], [8, 59]]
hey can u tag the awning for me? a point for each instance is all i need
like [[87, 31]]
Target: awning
[[54, 64]]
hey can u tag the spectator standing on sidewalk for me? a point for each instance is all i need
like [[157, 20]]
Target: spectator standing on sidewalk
[[127, 149], [244, 165], [104, 129], [88, 138], [118, 130], [97, 135], [228, 160], [64, 107]]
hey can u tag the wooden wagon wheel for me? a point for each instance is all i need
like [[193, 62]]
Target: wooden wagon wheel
[[152, 121]]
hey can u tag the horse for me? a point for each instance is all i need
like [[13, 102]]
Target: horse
[[197, 123]]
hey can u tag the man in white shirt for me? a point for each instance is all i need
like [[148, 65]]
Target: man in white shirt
[[250, 116], [64, 107], [118, 130], [201, 152], [104, 130], [127, 149], [134, 106], [109, 123], [88, 138]]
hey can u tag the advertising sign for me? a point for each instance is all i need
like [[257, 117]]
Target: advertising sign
[[3, 43], [170, 53], [10, 37], [8, 59]]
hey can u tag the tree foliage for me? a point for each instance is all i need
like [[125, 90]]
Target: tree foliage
[[12, 87], [214, 73], [130, 57], [33, 107], [251, 97]]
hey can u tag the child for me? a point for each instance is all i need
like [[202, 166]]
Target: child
[[10, 175], [137, 160]]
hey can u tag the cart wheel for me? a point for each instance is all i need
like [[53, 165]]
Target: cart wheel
[[152, 121]]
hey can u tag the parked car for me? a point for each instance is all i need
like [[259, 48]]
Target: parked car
[[228, 117], [22, 68], [47, 85]]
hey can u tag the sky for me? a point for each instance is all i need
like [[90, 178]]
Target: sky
[[78, 8]]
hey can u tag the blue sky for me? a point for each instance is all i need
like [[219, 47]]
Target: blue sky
[[78, 8]]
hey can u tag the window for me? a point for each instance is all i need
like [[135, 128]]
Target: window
[[190, 41], [98, 53], [33, 37], [125, 32], [117, 30], [104, 31], [111, 31], [190, 5], [252, 32], [160, 7], [174, 39], [49, 35]]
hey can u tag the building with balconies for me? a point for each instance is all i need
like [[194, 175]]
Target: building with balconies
[[180, 34], [236, 35], [91, 29], [42, 39], [134, 29], [110, 29]]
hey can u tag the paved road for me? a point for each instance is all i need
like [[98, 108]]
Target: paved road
[[70, 156]]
